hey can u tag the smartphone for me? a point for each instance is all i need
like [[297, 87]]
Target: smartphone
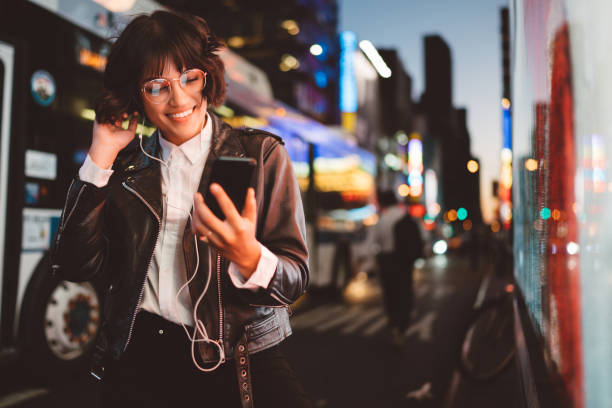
[[235, 175]]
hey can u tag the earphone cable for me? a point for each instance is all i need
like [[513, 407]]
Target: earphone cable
[[199, 327]]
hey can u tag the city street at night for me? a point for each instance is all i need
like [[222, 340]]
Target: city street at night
[[341, 350], [305, 203]]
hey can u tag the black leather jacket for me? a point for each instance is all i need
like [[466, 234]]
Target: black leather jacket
[[113, 231]]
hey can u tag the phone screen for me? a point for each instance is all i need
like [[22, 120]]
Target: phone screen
[[235, 175]]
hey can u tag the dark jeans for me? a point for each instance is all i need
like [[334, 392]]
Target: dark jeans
[[157, 371], [396, 280]]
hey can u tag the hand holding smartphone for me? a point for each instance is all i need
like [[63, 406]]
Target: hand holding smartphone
[[234, 237], [235, 176]]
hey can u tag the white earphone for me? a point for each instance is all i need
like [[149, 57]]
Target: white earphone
[[199, 328]]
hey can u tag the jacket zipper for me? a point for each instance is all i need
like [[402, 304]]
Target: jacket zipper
[[64, 222], [150, 261], [220, 300], [272, 306]]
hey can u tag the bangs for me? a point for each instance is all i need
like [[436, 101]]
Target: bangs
[[183, 52]]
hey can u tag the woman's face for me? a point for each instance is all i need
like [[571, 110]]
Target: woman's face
[[182, 116]]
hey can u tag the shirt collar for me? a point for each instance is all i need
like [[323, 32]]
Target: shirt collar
[[194, 148]]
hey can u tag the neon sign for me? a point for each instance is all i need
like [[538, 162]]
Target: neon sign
[[415, 167], [348, 82]]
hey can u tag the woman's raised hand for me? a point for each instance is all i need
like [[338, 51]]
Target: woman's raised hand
[[234, 236], [109, 139]]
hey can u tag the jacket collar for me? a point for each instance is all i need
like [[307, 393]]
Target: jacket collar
[[143, 174], [224, 140]]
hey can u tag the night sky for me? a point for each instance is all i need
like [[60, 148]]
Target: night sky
[[472, 30]]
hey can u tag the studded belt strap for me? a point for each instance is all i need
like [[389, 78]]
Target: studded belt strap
[[241, 357]]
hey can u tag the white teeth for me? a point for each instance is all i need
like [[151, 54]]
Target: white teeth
[[182, 114]]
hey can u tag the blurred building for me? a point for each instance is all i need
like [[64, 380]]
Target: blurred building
[[396, 117], [446, 144], [466, 191], [294, 42], [505, 43], [396, 96], [437, 99]]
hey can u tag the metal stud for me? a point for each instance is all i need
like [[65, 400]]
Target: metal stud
[[241, 348], [242, 360], [243, 373], [161, 331]]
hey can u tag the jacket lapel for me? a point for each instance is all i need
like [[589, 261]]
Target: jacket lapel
[[143, 174], [224, 143]]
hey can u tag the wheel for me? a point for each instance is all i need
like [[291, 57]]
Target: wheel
[[488, 346], [59, 324]]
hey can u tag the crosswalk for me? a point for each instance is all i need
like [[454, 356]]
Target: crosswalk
[[344, 318], [366, 318], [369, 319], [361, 320]]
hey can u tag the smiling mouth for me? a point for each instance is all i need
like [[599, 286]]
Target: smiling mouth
[[181, 115]]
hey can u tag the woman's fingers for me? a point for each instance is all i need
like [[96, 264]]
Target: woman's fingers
[[133, 124], [206, 219], [226, 205], [206, 235], [250, 206], [233, 233]]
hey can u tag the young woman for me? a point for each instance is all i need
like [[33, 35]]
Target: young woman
[[196, 305]]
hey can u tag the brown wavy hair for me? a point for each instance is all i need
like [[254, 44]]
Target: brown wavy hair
[[142, 50]]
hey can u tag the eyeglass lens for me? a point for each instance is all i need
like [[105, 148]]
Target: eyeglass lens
[[158, 90]]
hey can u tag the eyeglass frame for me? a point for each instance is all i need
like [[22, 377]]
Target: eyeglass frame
[[143, 92]]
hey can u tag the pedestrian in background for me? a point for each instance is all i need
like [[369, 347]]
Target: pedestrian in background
[[398, 244], [135, 217]]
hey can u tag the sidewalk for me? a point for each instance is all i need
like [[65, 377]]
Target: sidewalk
[[341, 347]]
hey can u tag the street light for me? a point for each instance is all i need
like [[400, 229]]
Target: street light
[[288, 62], [472, 166], [379, 63], [462, 214], [440, 247], [531, 164], [316, 49], [403, 190], [291, 26]]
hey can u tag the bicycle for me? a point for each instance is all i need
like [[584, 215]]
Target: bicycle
[[488, 345]]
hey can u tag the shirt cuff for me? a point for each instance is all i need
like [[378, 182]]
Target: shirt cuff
[[90, 172], [263, 273]]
